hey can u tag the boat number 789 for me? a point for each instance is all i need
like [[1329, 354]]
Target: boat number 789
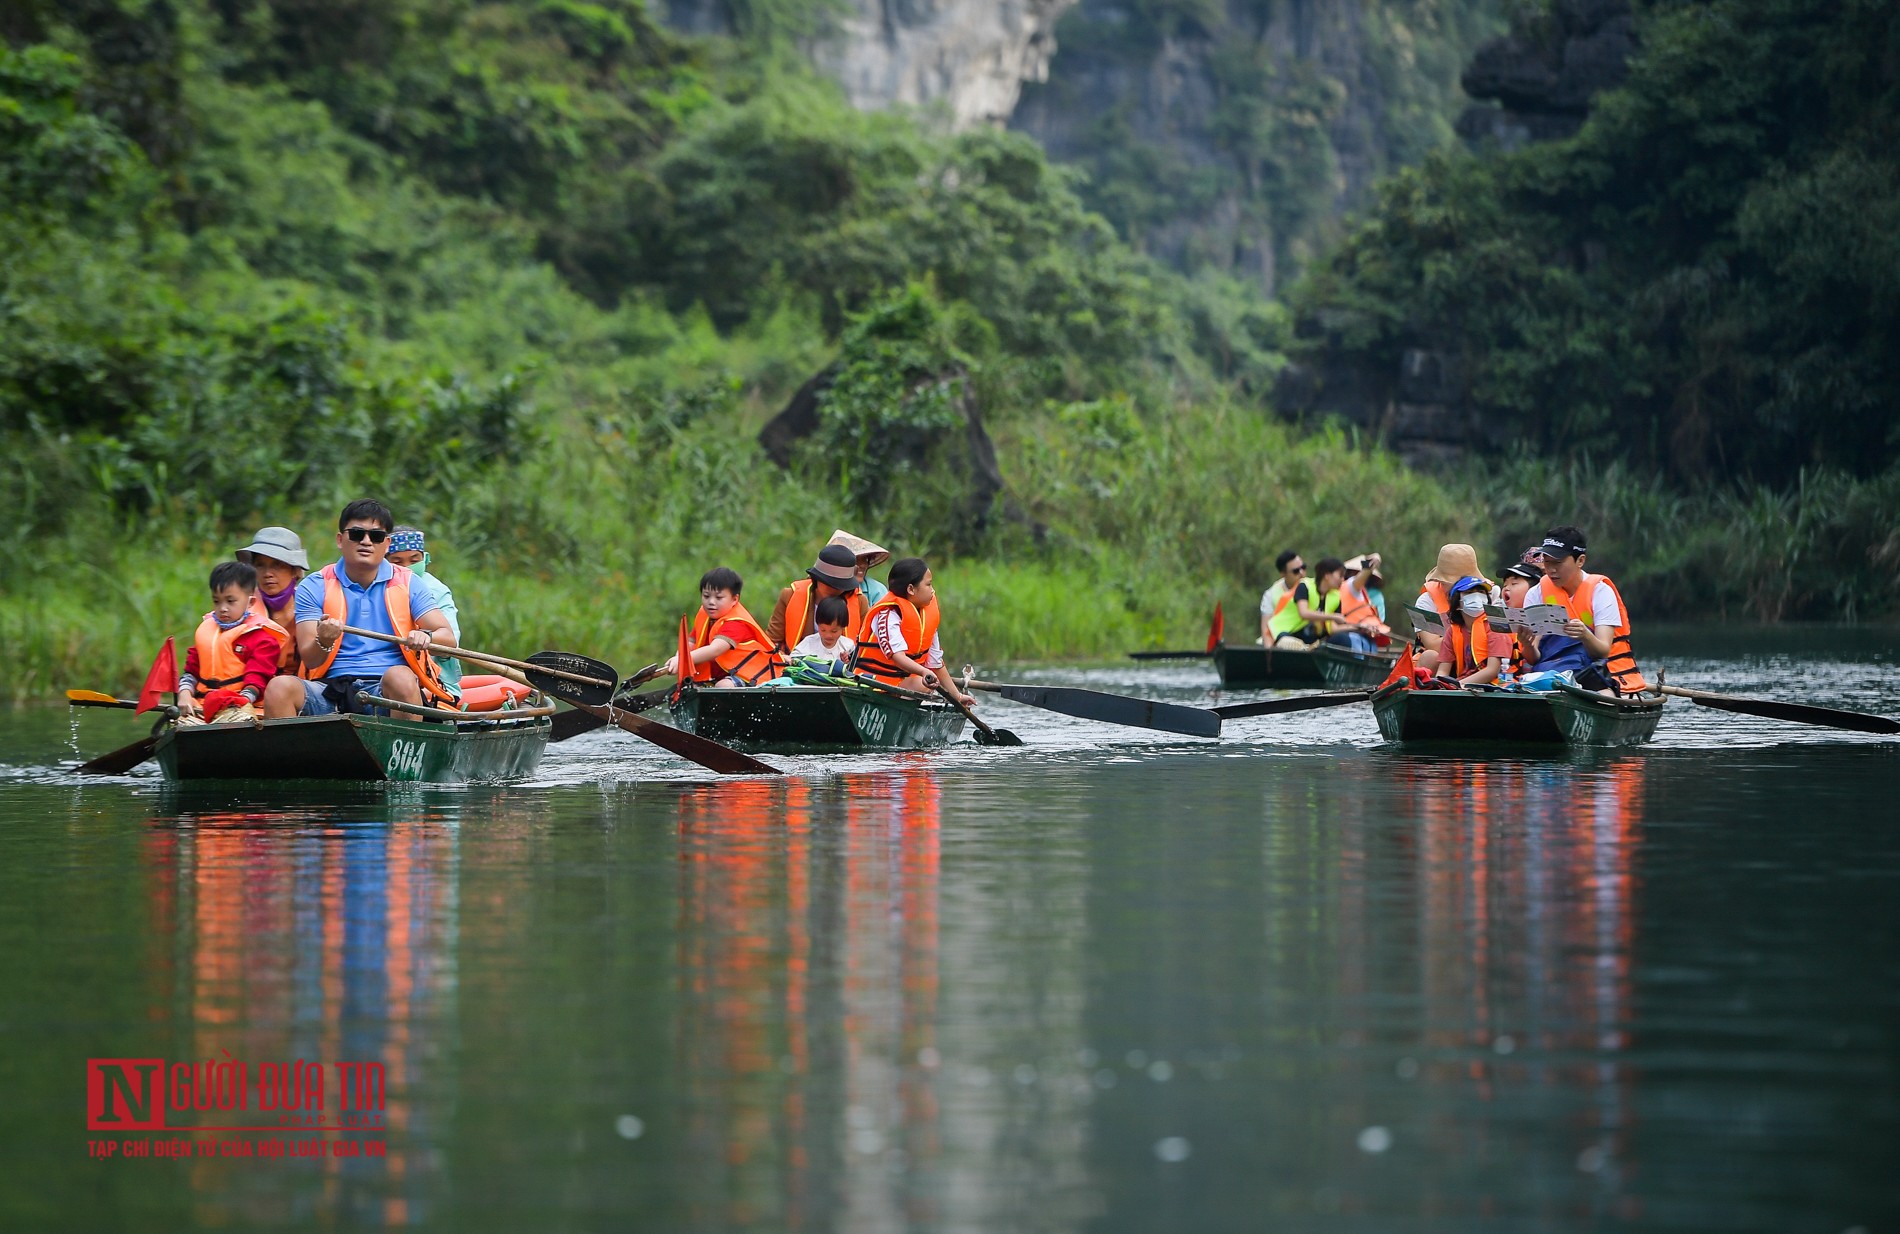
[[405, 760]]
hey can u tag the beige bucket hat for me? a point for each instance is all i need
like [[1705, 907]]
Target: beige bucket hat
[[1456, 561], [861, 548]]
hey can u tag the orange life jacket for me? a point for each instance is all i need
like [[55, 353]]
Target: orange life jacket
[[1620, 664], [219, 664], [1357, 608], [396, 598], [917, 627], [1468, 647], [748, 662], [801, 606]]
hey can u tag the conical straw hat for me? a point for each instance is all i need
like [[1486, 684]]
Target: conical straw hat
[[861, 547]]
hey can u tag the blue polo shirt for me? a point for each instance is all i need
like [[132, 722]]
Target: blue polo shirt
[[368, 610]]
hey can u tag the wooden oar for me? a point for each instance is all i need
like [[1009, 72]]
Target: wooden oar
[[1110, 708], [985, 735], [1796, 713], [93, 698], [118, 762], [552, 672], [574, 723], [1280, 706]]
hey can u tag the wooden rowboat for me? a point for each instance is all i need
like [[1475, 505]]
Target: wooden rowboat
[[1343, 668], [1564, 715], [497, 746], [1322, 664], [1267, 667], [850, 715]]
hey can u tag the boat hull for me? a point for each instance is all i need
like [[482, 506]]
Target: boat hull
[[803, 719], [340, 747], [1267, 667], [1564, 716], [1342, 668]]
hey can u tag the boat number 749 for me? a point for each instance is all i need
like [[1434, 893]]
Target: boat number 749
[[405, 760]]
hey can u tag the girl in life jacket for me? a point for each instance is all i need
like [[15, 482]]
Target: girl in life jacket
[[234, 652], [1470, 653], [897, 644], [729, 647]]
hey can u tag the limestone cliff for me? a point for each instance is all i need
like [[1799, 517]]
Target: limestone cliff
[[970, 56], [1233, 134]]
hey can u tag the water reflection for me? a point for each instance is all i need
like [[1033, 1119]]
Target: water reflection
[[329, 942]]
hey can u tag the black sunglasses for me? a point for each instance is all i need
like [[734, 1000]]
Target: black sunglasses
[[1296, 569], [375, 535]]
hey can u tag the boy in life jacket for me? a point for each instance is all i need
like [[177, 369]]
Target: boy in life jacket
[[233, 655], [1595, 644], [897, 645], [1515, 581], [829, 644], [729, 647], [408, 548]]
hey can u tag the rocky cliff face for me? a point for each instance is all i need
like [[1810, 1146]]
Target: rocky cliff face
[[1536, 83], [972, 56], [1233, 135]]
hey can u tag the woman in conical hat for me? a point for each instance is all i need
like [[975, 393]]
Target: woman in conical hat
[[869, 555]]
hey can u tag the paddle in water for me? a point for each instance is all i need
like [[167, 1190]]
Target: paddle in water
[[1281, 706], [574, 723], [1110, 708], [589, 685], [93, 698], [985, 735], [1794, 713]]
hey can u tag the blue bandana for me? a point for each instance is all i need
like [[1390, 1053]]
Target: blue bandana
[[406, 542]]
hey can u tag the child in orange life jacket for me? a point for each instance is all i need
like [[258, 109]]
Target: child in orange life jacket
[[898, 645], [730, 647], [829, 643], [234, 653], [1470, 653]]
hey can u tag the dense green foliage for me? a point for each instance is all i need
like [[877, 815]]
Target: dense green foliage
[[1705, 281], [536, 273]]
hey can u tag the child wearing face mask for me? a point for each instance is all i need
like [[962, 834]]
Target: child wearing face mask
[[407, 547], [1470, 654]]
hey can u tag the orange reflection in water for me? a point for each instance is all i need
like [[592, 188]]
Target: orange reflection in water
[[787, 1050], [318, 943], [1526, 874]]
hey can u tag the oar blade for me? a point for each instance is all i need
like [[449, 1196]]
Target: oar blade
[[121, 760], [1281, 706], [1801, 713], [708, 754], [580, 693], [94, 698], [1117, 709]]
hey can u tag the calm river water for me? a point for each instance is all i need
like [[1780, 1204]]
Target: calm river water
[[1294, 980]]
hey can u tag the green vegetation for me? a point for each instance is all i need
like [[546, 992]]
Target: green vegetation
[[536, 273], [1704, 282]]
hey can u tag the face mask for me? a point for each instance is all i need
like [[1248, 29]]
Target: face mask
[[1472, 602]]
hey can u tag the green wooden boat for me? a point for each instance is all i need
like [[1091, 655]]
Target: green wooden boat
[[792, 719], [1565, 715], [1343, 667], [350, 747], [1267, 667]]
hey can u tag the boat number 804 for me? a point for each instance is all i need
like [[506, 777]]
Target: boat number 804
[[405, 760]]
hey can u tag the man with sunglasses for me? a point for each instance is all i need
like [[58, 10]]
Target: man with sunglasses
[[1279, 616], [363, 589]]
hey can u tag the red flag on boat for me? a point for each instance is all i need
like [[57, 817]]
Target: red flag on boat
[[1402, 671], [163, 679], [1217, 630], [684, 666]]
